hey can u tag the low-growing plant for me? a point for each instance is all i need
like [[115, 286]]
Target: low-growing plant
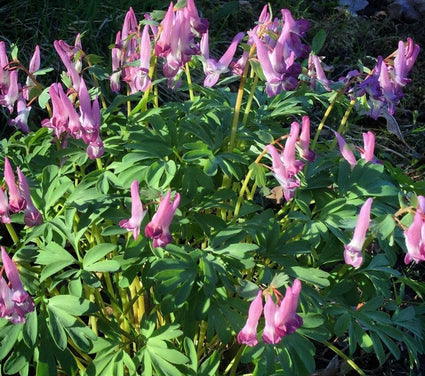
[[206, 235]]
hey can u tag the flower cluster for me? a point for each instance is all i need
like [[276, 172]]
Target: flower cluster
[[15, 302], [384, 86], [128, 50], [285, 166], [281, 318], [19, 198], [158, 228], [415, 235], [367, 153], [65, 120], [11, 91], [278, 44]]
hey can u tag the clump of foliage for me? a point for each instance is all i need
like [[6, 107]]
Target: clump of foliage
[[206, 235]]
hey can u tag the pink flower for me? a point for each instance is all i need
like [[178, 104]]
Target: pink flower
[[17, 201], [287, 321], [4, 207], [304, 141], [159, 227], [90, 118], [248, 334], [21, 119], [10, 93], [32, 216], [34, 67], [286, 180], [59, 120], [353, 250], [15, 302], [369, 147], [63, 50], [214, 68], [317, 73], [138, 77], [270, 333], [293, 166], [415, 235], [345, 151], [137, 212]]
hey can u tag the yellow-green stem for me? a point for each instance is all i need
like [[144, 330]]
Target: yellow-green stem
[[249, 101], [233, 365], [345, 357], [325, 117], [201, 338], [12, 232], [99, 164], [189, 81], [237, 110]]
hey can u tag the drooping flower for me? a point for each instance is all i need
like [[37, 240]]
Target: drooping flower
[[345, 151], [59, 120], [353, 250], [62, 49], [304, 142], [369, 147], [17, 201], [137, 77], [287, 320], [15, 302], [32, 217], [159, 227], [317, 73], [293, 165], [248, 334], [4, 207], [281, 318], [21, 119], [137, 212], [270, 333], [9, 94], [212, 67], [90, 118], [287, 181], [415, 235], [367, 153], [33, 67]]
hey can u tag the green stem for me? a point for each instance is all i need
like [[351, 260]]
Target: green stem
[[202, 333], [189, 81], [99, 164], [325, 117], [233, 365], [12, 232], [238, 105], [249, 102], [345, 357]]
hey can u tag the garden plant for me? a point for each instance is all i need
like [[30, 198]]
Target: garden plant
[[218, 230]]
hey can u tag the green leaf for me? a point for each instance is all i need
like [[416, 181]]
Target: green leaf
[[315, 276], [43, 98], [72, 305], [96, 253], [210, 365], [30, 331], [19, 359], [104, 266], [56, 329], [190, 350], [55, 257], [318, 41], [8, 337]]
